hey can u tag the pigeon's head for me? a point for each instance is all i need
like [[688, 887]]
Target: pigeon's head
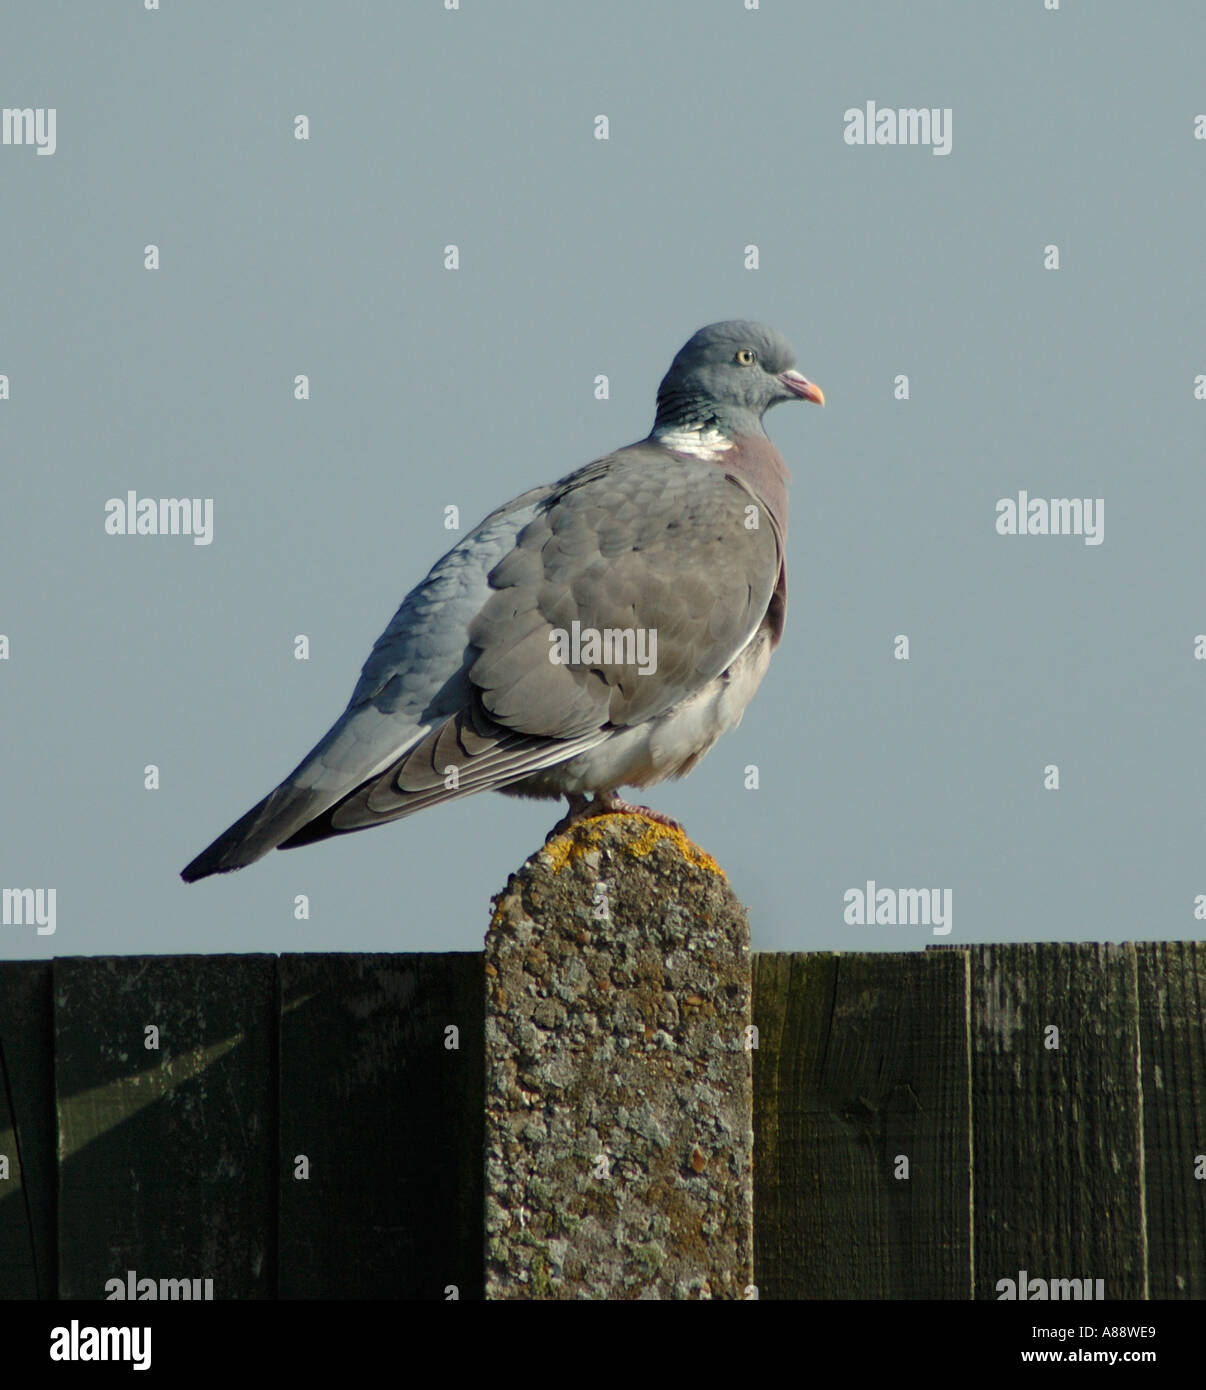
[[727, 376]]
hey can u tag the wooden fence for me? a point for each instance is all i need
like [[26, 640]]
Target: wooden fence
[[926, 1125]]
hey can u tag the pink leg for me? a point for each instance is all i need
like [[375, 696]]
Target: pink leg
[[609, 803], [606, 803]]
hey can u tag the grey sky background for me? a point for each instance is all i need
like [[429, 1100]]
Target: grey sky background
[[578, 257]]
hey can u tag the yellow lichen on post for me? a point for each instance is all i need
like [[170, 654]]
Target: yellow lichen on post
[[585, 836]]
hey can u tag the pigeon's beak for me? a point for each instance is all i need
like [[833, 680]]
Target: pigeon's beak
[[800, 386]]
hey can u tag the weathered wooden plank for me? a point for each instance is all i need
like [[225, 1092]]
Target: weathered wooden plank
[[167, 1157], [861, 1061], [28, 1256], [381, 1126], [1172, 1030], [1057, 1128], [170, 1166]]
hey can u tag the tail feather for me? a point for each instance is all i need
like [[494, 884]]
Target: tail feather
[[274, 819]]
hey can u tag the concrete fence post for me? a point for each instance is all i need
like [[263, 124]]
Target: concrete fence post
[[619, 1139]]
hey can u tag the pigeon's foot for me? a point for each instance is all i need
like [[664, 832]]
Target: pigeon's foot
[[606, 803]]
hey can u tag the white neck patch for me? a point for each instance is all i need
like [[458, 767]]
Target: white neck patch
[[700, 443]]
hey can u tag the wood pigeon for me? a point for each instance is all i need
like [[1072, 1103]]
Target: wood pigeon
[[598, 632]]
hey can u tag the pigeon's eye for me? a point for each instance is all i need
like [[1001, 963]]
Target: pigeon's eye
[[746, 357]]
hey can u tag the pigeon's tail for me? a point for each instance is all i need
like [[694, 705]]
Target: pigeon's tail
[[278, 816]]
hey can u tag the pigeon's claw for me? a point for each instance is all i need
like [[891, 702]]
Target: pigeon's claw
[[606, 803]]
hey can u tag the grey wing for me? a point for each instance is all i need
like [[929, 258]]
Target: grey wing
[[636, 541], [414, 679], [673, 548]]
